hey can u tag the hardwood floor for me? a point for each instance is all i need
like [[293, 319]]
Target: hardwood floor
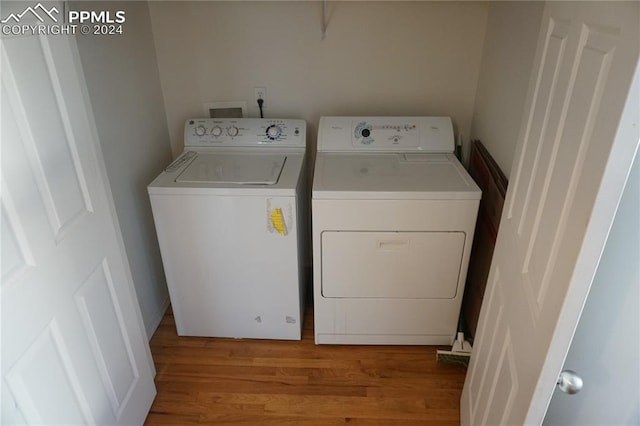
[[267, 382]]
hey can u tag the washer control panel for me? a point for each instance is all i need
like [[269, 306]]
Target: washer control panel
[[244, 132]]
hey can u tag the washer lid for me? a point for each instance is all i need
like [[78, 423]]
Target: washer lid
[[242, 169], [392, 176]]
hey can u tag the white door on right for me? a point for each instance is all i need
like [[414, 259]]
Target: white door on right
[[576, 143]]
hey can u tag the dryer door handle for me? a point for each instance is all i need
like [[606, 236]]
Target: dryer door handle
[[389, 245]]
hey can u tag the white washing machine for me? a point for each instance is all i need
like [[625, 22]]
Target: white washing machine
[[230, 214], [394, 213]]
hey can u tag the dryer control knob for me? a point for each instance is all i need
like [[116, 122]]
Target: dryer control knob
[[232, 131], [216, 131], [274, 132], [200, 131]]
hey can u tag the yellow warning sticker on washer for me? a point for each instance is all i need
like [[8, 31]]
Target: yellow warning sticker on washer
[[278, 221]]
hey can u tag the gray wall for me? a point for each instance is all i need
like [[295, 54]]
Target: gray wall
[[509, 47], [606, 346], [124, 87]]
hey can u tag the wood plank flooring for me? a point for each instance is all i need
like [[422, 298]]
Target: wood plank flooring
[[267, 382]]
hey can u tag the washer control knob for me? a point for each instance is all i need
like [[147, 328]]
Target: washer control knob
[[200, 131], [232, 131], [216, 131], [273, 132]]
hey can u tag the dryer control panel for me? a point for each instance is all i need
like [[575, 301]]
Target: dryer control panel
[[398, 135], [244, 132], [386, 134]]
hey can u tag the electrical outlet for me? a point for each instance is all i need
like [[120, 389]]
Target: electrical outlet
[[260, 93]]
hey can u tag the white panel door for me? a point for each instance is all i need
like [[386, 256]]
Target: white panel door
[[73, 347], [574, 153]]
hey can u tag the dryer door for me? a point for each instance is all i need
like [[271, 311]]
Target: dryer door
[[416, 265]]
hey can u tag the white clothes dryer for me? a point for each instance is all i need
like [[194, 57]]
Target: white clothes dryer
[[230, 214], [394, 214]]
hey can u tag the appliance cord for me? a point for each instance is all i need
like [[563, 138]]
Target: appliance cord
[[260, 102]]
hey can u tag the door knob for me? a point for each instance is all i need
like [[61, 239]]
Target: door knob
[[569, 382]]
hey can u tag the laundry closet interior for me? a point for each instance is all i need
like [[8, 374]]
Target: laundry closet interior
[[330, 142]]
